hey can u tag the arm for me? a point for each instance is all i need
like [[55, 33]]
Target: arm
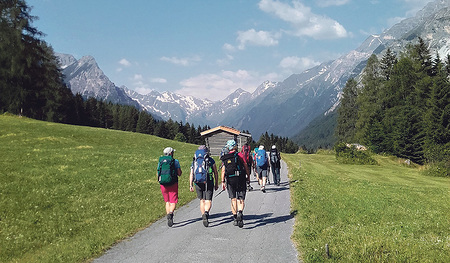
[[191, 180], [247, 171], [177, 165], [223, 178]]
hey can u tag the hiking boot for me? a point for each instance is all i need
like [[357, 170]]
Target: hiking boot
[[235, 222], [170, 219], [205, 219], [240, 219]]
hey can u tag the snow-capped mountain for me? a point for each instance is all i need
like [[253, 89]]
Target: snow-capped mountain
[[86, 78], [282, 108]]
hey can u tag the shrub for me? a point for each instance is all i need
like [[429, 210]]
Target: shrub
[[351, 155]]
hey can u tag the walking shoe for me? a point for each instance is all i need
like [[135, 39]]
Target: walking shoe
[[170, 219], [235, 222], [205, 219], [263, 189], [240, 219]]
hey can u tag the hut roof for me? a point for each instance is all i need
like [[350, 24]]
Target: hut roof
[[225, 129]]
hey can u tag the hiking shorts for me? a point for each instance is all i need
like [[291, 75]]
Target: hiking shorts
[[204, 191], [261, 172], [170, 193], [236, 187]]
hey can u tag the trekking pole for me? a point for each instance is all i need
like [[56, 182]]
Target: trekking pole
[[219, 193]]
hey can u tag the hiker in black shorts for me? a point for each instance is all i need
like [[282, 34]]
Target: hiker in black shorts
[[236, 173], [204, 184]]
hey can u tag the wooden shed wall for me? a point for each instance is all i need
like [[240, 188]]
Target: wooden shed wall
[[216, 141]]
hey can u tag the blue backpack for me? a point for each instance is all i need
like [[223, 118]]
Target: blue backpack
[[261, 158], [200, 166]]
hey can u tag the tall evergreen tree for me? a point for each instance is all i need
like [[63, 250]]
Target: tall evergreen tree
[[347, 112]]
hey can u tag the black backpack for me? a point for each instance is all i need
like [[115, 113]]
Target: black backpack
[[274, 156], [232, 164]]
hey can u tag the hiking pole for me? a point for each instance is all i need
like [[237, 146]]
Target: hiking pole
[[219, 193]]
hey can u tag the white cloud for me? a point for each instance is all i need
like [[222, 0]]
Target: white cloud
[[229, 47], [124, 62], [225, 61], [256, 38], [303, 21], [181, 61], [137, 77], [297, 64], [158, 80], [219, 86], [326, 3]]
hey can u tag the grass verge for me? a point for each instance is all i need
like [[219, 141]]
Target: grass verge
[[368, 213], [67, 193]]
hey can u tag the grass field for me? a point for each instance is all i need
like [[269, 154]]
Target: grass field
[[69, 192], [368, 213]]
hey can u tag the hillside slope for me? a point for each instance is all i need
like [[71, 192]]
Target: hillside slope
[[69, 192]]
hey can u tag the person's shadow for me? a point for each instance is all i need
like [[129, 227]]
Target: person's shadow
[[253, 221]]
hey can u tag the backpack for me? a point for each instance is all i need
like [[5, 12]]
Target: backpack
[[167, 173], [232, 164], [261, 158], [200, 166], [274, 157], [246, 152]]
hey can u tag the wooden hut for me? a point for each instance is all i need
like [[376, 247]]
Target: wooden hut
[[216, 138]]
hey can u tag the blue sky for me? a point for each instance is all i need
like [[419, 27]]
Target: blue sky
[[208, 49]]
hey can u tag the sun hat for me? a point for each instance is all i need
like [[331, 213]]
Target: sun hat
[[231, 144], [168, 150]]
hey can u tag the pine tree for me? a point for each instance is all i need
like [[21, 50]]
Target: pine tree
[[369, 105], [347, 112]]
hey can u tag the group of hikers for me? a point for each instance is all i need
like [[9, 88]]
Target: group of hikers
[[235, 170]]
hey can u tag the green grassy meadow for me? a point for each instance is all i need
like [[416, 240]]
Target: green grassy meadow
[[368, 213], [67, 193]]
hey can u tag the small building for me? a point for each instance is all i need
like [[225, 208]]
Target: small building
[[216, 138]]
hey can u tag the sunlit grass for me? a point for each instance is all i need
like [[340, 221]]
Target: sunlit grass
[[69, 192], [368, 213]]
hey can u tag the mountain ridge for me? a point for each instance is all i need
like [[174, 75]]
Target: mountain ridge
[[283, 108]]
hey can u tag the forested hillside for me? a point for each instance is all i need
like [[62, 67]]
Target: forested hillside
[[31, 85], [401, 107]]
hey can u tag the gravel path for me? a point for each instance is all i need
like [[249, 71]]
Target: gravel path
[[265, 236]]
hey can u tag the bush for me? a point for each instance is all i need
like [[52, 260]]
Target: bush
[[351, 155], [438, 159]]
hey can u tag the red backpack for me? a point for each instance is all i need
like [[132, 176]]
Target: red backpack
[[246, 152]]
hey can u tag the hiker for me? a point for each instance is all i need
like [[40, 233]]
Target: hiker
[[246, 152], [234, 170], [254, 163], [202, 170], [262, 167], [168, 171], [275, 164]]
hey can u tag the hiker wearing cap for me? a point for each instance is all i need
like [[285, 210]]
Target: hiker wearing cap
[[275, 164], [168, 171], [203, 169], [235, 175], [262, 167]]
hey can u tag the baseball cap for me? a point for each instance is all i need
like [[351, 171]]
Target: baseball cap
[[168, 150], [231, 144]]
